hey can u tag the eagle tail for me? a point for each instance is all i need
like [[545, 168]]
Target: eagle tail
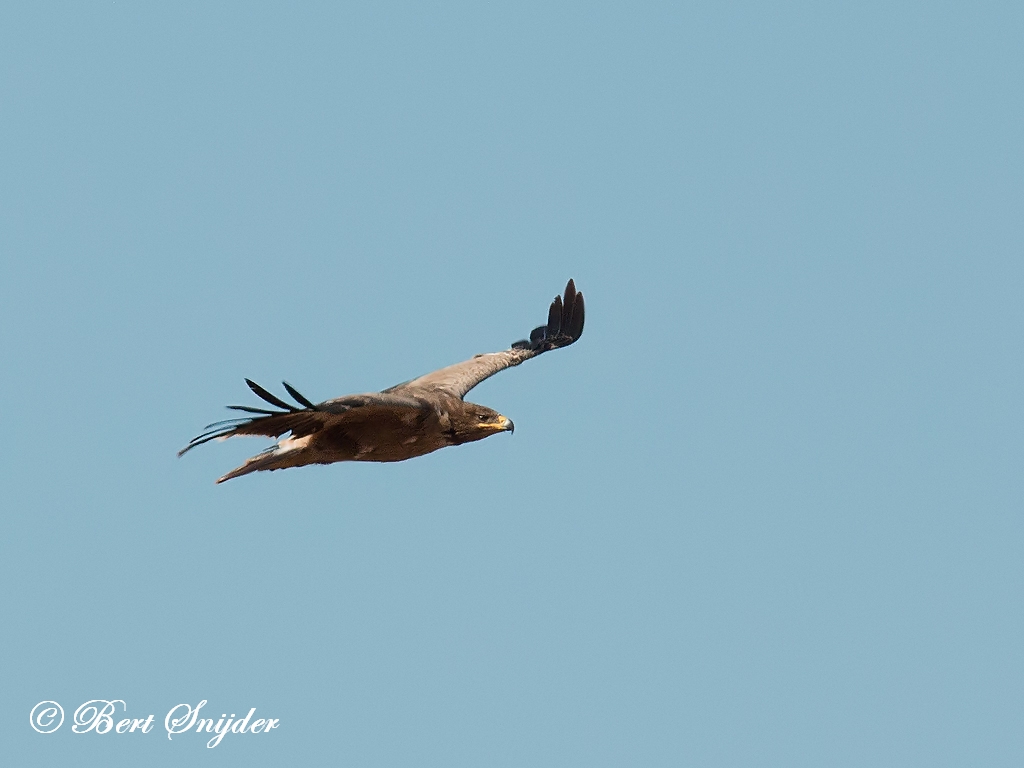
[[287, 453]]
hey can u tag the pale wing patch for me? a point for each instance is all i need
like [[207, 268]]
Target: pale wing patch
[[292, 444]]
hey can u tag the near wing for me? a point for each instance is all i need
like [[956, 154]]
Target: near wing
[[300, 422], [564, 326]]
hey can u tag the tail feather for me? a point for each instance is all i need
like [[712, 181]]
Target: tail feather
[[288, 453]]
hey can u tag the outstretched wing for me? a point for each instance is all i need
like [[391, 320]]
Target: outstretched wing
[[300, 422], [564, 326]]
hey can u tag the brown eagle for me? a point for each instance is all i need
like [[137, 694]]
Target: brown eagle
[[401, 422]]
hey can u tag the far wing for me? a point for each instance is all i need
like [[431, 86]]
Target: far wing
[[564, 326]]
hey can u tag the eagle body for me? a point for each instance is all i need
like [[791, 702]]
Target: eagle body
[[408, 420], [376, 430]]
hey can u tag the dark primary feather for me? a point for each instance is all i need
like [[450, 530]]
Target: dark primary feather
[[250, 409], [298, 396], [555, 313]]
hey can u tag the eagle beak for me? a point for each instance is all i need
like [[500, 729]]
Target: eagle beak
[[506, 424]]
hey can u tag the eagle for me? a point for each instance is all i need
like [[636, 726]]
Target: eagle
[[404, 421]]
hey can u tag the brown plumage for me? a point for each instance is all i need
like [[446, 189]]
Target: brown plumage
[[399, 423]]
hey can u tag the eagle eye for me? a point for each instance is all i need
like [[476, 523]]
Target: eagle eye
[[481, 417]]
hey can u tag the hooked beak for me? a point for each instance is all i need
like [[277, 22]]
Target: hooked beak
[[500, 424]]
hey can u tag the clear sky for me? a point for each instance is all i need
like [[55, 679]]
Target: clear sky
[[768, 511]]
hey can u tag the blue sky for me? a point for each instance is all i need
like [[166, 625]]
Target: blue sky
[[766, 512]]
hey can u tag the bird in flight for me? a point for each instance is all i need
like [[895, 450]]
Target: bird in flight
[[398, 423]]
